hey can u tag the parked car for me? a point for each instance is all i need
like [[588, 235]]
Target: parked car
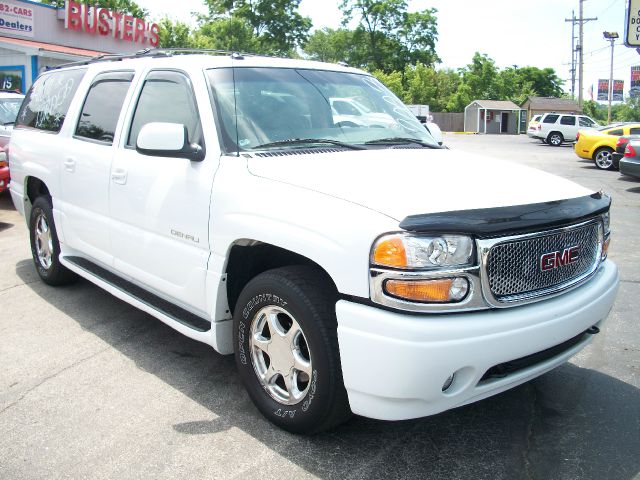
[[621, 145], [599, 145], [556, 128], [9, 105], [5, 177], [363, 270], [532, 129], [630, 162], [348, 112]]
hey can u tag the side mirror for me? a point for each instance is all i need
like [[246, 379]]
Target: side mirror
[[168, 140]]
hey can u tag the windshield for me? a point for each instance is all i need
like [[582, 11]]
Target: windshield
[[9, 109], [259, 107]]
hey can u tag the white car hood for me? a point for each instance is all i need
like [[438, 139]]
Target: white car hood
[[403, 182]]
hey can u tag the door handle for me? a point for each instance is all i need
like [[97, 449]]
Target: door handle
[[119, 176], [70, 164]]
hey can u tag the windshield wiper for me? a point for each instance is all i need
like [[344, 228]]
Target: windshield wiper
[[400, 141], [307, 141]]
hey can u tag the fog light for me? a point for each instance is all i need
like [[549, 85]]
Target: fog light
[[448, 382], [442, 290]]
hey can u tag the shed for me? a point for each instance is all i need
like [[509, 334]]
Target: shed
[[540, 105], [492, 116]]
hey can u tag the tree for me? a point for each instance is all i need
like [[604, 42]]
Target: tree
[[393, 37], [123, 6], [174, 34], [276, 24], [231, 34]]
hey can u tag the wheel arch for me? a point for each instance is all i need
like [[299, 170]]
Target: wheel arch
[[34, 187]]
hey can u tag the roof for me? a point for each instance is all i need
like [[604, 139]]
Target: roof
[[497, 104], [47, 47], [552, 103]]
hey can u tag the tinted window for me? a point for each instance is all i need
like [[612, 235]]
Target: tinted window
[[166, 97], [617, 132], [565, 120], [586, 122], [102, 106], [45, 106], [550, 119], [634, 131], [344, 108]]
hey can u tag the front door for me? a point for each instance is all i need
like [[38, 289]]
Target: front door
[[504, 124], [159, 206]]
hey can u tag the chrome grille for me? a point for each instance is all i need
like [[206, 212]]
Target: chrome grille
[[514, 268]]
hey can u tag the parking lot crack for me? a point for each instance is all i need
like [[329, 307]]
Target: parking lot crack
[[17, 285], [52, 376], [533, 416]]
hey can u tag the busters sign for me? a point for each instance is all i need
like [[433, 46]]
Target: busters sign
[[16, 19], [105, 22]]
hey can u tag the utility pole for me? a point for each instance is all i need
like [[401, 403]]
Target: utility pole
[[573, 21], [581, 22]]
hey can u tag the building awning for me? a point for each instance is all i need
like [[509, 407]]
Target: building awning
[[41, 49]]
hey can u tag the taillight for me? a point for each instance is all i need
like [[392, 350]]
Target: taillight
[[539, 127], [629, 151], [578, 136]]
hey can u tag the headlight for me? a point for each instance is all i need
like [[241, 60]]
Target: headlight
[[422, 252], [606, 219]]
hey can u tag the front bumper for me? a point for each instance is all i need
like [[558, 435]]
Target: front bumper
[[394, 365], [629, 167]]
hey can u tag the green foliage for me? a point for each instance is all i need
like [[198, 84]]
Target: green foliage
[[174, 34], [124, 6], [276, 24], [393, 81], [389, 38]]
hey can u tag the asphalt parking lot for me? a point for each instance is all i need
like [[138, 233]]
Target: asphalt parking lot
[[93, 388]]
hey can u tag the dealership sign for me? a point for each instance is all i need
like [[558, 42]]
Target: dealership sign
[[632, 25], [618, 90], [105, 22], [16, 19]]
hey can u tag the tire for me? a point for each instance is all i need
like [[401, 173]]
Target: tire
[[555, 139], [603, 159], [45, 247], [310, 397]]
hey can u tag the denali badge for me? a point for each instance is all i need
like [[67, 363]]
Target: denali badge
[[552, 260]]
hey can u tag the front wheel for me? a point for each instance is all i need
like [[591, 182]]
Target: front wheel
[[603, 158], [287, 349]]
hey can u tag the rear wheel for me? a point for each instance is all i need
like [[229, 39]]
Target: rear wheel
[[287, 349], [45, 247], [603, 158], [555, 139]]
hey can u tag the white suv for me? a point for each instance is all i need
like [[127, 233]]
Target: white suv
[[556, 128], [348, 268]]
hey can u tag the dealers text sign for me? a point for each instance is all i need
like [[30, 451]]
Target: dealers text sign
[[632, 27], [16, 19]]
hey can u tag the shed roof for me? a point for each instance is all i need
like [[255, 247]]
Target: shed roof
[[552, 104], [497, 104]]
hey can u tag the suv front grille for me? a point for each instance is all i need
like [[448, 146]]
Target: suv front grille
[[514, 268]]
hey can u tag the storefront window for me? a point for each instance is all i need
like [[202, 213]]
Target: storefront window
[[11, 80]]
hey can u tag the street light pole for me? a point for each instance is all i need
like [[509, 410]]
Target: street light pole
[[611, 36]]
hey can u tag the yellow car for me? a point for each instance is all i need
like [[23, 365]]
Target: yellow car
[[598, 145]]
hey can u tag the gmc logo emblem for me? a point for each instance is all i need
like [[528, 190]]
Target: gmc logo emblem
[[553, 260]]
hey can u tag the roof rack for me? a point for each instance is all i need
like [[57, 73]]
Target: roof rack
[[159, 52]]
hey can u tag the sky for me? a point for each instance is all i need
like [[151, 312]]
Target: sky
[[511, 32]]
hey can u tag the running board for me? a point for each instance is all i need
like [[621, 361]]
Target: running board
[[139, 297]]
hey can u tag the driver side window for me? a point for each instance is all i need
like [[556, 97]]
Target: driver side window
[[166, 96]]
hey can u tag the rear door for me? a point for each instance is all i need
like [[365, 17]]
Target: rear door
[[86, 166], [159, 206], [569, 127]]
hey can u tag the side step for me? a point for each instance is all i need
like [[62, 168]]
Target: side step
[[160, 305]]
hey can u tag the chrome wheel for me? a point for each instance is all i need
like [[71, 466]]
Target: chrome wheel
[[555, 139], [604, 159], [280, 355], [43, 242]]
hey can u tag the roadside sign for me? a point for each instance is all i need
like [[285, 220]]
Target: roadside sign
[[632, 25]]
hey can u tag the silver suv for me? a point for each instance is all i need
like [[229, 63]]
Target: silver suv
[[556, 128]]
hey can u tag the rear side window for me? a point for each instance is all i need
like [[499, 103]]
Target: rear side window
[[166, 96], [550, 119], [634, 131], [102, 106], [617, 132], [566, 120], [586, 122], [45, 106]]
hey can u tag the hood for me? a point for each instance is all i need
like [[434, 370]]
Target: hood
[[403, 182]]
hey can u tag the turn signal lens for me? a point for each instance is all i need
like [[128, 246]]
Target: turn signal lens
[[444, 290], [605, 247], [390, 252], [629, 151], [3, 163]]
